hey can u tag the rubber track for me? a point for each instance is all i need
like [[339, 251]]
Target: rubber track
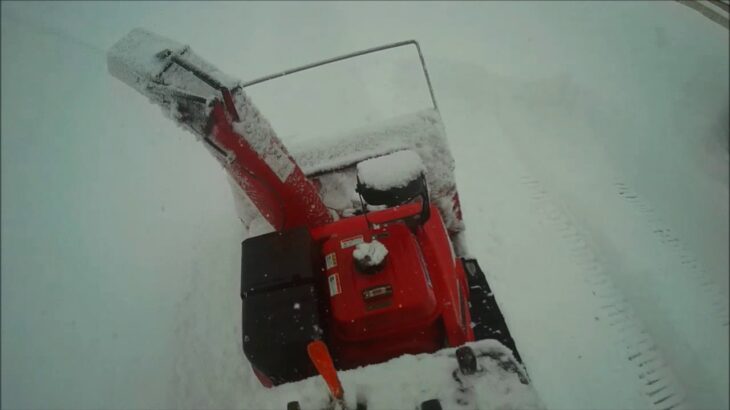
[[487, 319]]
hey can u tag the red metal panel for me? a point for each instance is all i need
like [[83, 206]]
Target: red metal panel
[[285, 204], [411, 304], [427, 299], [448, 279]]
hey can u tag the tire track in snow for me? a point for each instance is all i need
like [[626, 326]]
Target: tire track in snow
[[658, 383], [556, 311], [580, 170], [690, 265]]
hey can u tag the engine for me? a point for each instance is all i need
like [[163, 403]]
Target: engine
[[374, 286]]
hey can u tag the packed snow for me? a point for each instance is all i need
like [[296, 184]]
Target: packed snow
[[421, 131], [334, 160], [394, 170], [404, 382], [590, 144], [259, 134], [135, 60]]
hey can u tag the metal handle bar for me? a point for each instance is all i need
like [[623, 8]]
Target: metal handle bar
[[351, 55]]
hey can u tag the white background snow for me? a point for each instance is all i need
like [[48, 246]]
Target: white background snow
[[591, 142]]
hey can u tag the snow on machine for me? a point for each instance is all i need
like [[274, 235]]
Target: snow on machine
[[333, 284]]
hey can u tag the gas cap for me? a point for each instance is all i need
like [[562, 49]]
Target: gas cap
[[369, 257]]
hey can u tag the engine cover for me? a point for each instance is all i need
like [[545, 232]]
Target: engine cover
[[374, 316]]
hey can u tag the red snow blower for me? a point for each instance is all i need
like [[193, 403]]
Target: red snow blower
[[381, 276]]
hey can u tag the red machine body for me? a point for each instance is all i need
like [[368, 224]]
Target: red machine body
[[300, 283], [416, 303], [413, 304], [283, 195]]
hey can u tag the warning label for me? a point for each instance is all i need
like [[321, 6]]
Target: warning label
[[346, 243], [330, 260], [334, 282]]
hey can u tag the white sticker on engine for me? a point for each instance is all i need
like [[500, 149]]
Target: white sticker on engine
[[346, 243], [330, 260], [334, 282]]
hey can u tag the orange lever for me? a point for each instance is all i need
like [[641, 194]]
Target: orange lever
[[320, 357]]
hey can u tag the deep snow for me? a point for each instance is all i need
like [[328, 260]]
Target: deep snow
[[592, 161]]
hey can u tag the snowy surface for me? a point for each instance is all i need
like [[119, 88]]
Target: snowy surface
[[591, 148], [134, 58], [394, 170], [421, 131], [404, 381], [141, 56], [333, 159]]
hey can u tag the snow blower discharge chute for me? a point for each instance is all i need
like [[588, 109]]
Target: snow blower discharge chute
[[384, 277]]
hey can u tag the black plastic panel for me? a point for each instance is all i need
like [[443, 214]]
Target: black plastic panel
[[280, 303], [277, 326], [277, 260], [488, 320]]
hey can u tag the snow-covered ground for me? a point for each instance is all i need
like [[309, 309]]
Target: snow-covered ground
[[591, 142]]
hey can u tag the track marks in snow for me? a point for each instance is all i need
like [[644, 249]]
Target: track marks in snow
[[689, 264], [679, 303], [564, 312], [658, 383]]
